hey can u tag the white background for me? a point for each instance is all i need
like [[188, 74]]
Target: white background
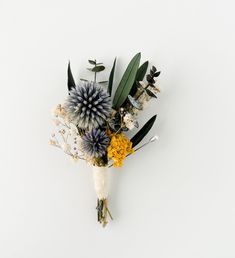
[[173, 199]]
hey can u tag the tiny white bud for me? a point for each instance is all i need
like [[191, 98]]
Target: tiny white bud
[[154, 138]]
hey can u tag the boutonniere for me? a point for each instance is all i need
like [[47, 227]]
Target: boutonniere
[[91, 124]]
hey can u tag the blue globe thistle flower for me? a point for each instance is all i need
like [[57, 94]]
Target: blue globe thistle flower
[[88, 105], [95, 143]]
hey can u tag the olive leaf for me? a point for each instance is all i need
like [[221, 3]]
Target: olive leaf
[[111, 76], [70, 83], [139, 77], [126, 82], [138, 137], [142, 71]]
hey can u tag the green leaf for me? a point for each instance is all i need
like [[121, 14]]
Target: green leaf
[[98, 68], [151, 94], [142, 71], [111, 76], [139, 76], [70, 83], [103, 82], [92, 62], [157, 74], [126, 82], [137, 138]]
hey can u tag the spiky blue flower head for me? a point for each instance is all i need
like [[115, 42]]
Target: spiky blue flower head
[[95, 143], [88, 105]]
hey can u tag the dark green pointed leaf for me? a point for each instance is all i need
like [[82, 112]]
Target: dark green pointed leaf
[[70, 83], [111, 76], [84, 80], [126, 82], [103, 82], [92, 62], [139, 76], [137, 138]]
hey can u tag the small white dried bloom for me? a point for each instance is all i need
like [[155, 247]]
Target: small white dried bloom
[[62, 131], [65, 147], [73, 130], [56, 122], [59, 111], [52, 142], [129, 121]]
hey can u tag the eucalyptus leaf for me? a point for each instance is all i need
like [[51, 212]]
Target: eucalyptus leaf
[[103, 82], [92, 62], [111, 76], [126, 82], [98, 68], [151, 93], [70, 83], [138, 137], [135, 103], [154, 69], [157, 74]]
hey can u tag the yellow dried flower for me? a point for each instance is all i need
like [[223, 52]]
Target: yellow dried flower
[[120, 146]]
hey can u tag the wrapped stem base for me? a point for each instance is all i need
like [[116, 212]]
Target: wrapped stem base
[[103, 211], [100, 177]]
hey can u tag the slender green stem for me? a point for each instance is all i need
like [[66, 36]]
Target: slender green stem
[[102, 211], [95, 73]]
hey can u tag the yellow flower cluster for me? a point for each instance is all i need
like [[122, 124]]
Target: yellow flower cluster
[[120, 146]]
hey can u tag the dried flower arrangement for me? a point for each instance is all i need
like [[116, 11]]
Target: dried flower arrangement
[[91, 125]]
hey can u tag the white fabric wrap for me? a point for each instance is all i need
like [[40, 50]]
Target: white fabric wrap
[[100, 177]]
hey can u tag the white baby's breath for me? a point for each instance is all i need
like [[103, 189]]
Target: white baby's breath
[[52, 142], [129, 121], [65, 147], [73, 130]]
